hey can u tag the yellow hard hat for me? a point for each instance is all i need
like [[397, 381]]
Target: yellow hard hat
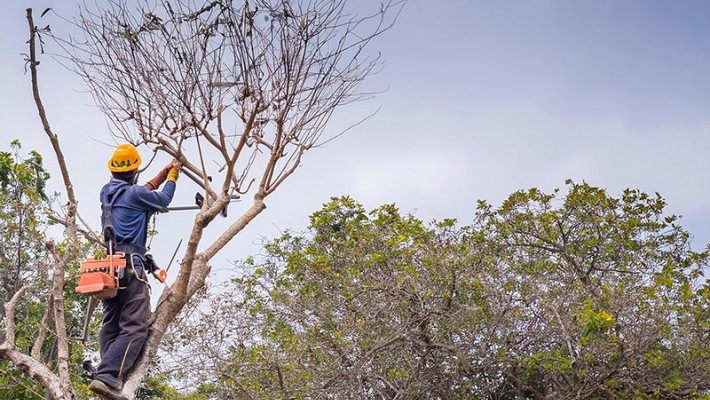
[[125, 158]]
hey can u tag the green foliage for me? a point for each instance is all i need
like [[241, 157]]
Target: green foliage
[[156, 387], [22, 217], [26, 177], [554, 296], [23, 255], [25, 261]]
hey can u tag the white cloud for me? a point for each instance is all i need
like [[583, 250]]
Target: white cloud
[[490, 151]]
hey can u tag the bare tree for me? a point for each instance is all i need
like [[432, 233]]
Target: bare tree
[[247, 85]]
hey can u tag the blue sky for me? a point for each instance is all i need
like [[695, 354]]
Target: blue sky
[[483, 98]]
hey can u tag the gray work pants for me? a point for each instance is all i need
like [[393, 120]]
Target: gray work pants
[[125, 327]]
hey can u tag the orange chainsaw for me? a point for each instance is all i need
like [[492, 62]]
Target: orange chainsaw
[[99, 278]]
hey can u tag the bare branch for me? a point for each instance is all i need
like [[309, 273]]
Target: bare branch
[[34, 369], [47, 321], [57, 292], [10, 315]]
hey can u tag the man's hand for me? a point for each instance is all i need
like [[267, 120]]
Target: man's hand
[[173, 164], [163, 175]]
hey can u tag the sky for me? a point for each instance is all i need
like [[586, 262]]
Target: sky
[[482, 98]]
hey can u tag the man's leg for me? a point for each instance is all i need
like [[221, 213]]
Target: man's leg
[[123, 350], [109, 329]]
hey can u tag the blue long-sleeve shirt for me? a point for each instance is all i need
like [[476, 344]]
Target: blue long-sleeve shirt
[[134, 207]]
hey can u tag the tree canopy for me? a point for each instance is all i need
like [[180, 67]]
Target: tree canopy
[[563, 295]]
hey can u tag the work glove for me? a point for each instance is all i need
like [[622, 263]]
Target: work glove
[[174, 171], [162, 176]]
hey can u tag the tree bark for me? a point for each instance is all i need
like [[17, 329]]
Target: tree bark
[[36, 370]]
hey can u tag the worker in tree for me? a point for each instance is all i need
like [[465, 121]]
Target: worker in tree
[[127, 208]]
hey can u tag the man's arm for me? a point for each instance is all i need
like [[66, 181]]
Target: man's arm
[[153, 200], [162, 176], [158, 200]]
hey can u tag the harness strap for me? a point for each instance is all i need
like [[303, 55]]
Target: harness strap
[[109, 232], [141, 276]]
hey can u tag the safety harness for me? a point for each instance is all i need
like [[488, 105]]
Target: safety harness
[[100, 277]]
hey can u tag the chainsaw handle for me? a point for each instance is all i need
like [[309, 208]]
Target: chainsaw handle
[[161, 275]]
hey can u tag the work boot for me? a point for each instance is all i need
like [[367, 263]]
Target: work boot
[[104, 389]]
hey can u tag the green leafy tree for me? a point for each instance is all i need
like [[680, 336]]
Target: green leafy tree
[[23, 256], [548, 296], [605, 296], [25, 261], [22, 209]]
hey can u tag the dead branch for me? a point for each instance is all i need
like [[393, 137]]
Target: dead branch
[[10, 315], [47, 321], [57, 291]]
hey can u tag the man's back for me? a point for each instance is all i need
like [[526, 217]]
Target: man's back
[[134, 206]]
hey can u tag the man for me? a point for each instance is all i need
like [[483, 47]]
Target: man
[[127, 208]]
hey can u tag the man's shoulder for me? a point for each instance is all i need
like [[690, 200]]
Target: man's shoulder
[[137, 190], [111, 189]]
